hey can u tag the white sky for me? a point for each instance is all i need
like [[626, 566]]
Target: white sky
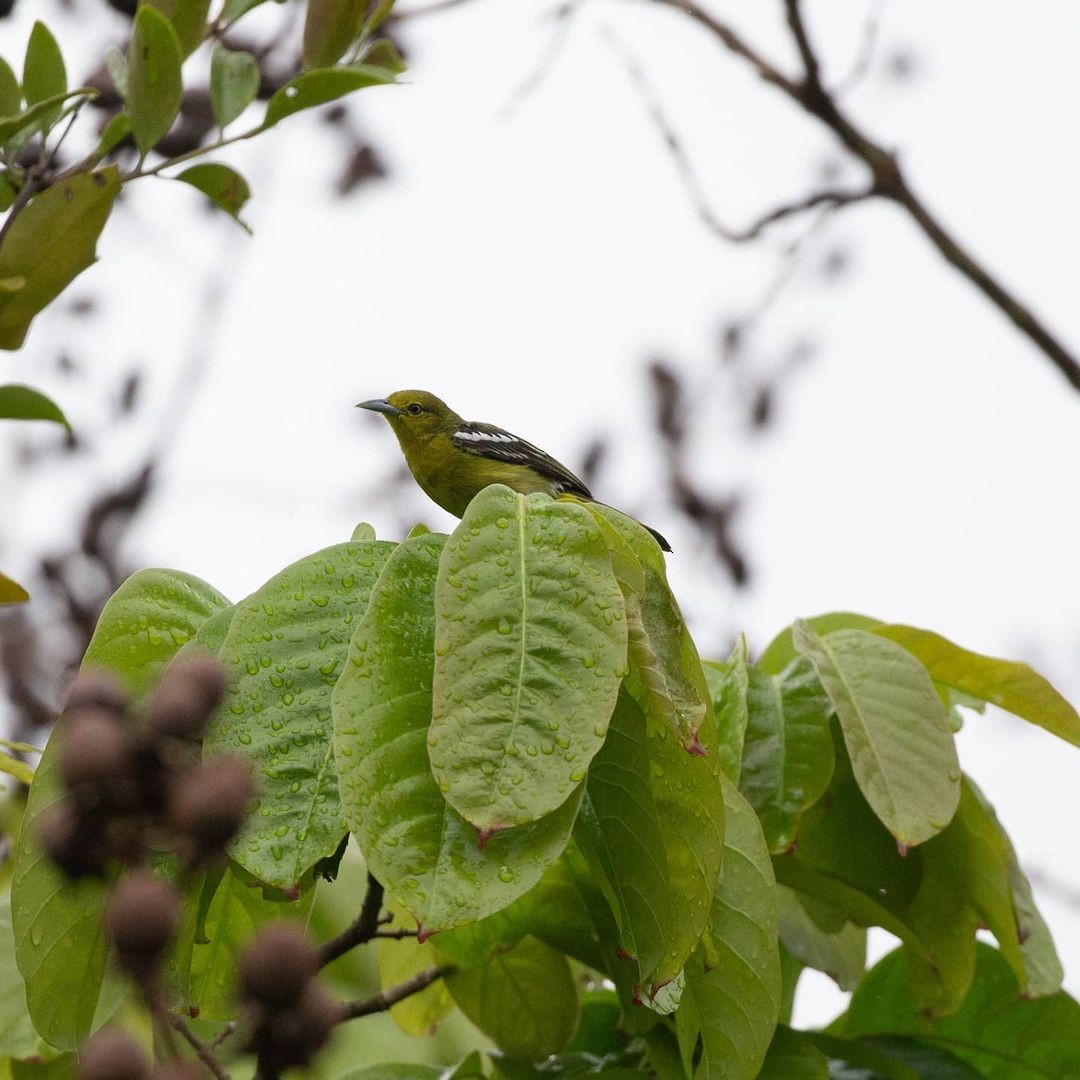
[[524, 268]]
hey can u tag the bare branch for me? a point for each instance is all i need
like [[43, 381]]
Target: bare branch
[[361, 930], [202, 1051], [384, 999], [802, 42], [870, 34], [561, 17]]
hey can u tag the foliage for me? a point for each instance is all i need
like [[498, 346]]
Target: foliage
[[615, 858]]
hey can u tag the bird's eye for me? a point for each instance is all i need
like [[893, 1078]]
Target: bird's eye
[[416, 408]]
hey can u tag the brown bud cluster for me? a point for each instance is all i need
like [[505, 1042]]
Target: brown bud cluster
[[112, 1055], [292, 1015]]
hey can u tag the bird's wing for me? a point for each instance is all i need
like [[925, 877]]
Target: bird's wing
[[489, 441]]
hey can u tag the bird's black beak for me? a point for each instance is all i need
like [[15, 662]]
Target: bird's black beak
[[380, 405]]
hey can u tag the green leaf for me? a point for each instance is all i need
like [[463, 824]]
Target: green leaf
[[59, 944], [363, 531], [732, 997], [234, 82], [36, 115], [286, 644], [188, 18], [10, 92], [18, 1039], [418, 1014], [781, 650], [213, 936], [317, 87], [234, 9], [26, 403], [894, 727], [524, 998], [793, 1056], [840, 953], [530, 649], [391, 1070], [20, 747], [422, 850], [666, 677], [330, 28], [223, 186], [1008, 684], [44, 74], [728, 684], [996, 1030], [889, 1057], [155, 87], [383, 53], [50, 243], [658, 839], [788, 752], [115, 132], [11, 592], [380, 12], [12, 766]]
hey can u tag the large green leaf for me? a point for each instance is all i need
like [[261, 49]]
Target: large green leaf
[[18, 1039], [44, 74], [418, 1014], [418, 846], [330, 27], [997, 1031], [49, 243], [1008, 684], [234, 82], [25, 403], [781, 650], [524, 998], [793, 1056], [889, 1057], [656, 834], [188, 18], [787, 759], [840, 952], [286, 645], [728, 684], [317, 87], [666, 676], [58, 941], [214, 931], [154, 84], [530, 649], [894, 727], [732, 997]]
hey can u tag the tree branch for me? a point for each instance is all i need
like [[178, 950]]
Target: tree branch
[[202, 1051], [384, 999], [361, 930], [888, 181]]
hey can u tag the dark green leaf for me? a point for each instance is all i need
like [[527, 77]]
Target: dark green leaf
[[524, 998], [318, 87], [44, 74], [728, 684], [781, 650], [49, 243], [894, 727], [188, 18], [732, 997], [59, 946], [234, 82], [380, 12], [530, 649], [11, 592], [383, 53], [787, 760], [793, 1056], [155, 87], [658, 839], [10, 92], [422, 850], [330, 27], [8, 194], [840, 953], [223, 186], [26, 403], [285, 645], [996, 1030], [1008, 684]]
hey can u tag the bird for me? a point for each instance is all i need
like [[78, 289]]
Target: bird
[[454, 459]]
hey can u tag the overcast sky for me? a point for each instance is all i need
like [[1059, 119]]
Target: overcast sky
[[525, 264]]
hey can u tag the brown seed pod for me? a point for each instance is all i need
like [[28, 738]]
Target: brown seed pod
[[140, 920], [277, 965], [207, 805], [181, 704], [95, 753], [112, 1055], [75, 843], [294, 1034], [96, 689]]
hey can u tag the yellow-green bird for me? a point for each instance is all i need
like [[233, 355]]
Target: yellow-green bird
[[454, 459]]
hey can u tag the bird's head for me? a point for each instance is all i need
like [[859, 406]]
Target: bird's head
[[415, 415]]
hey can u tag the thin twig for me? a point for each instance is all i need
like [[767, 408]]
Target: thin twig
[[223, 1034], [363, 928], [870, 34], [202, 1051], [562, 18], [384, 999], [888, 181]]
